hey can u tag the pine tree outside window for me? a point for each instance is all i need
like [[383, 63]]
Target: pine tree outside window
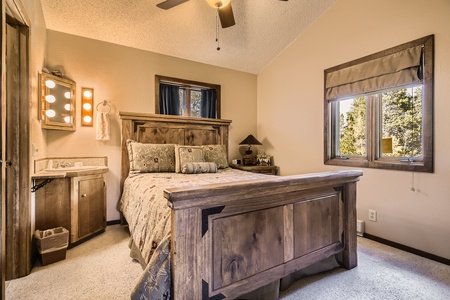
[[379, 109]]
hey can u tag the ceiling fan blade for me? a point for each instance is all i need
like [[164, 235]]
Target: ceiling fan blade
[[226, 16], [170, 3]]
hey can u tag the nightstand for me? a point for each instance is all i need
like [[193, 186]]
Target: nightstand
[[272, 170]]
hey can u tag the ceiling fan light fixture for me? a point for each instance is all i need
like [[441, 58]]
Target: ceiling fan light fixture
[[218, 3]]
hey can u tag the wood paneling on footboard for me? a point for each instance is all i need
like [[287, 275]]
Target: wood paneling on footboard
[[246, 244], [315, 224], [232, 238]]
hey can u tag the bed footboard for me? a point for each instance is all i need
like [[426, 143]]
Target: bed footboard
[[233, 238]]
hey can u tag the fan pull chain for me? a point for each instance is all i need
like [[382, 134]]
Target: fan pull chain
[[217, 30]]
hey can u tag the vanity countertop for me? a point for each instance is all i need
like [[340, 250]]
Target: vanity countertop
[[69, 172]]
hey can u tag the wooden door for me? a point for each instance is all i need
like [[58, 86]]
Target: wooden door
[[16, 224]]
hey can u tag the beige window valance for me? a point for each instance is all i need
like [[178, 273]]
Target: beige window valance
[[396, 69]]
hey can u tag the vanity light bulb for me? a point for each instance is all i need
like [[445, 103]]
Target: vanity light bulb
[[50, 113], [67, 119], [50, 98], [67, 107], [50, 84], [67, 95], [87, 94], [87, 106], [87, 119]]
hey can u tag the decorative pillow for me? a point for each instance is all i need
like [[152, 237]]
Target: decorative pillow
[[187, 154], [217, 154], [147, 158], [199, 167]]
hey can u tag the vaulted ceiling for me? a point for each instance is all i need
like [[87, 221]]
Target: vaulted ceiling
[[264, 28]]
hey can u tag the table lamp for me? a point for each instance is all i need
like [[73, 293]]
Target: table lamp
[[248, 159]]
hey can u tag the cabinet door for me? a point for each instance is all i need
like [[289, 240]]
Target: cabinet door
[[53, 204], [91, 206]]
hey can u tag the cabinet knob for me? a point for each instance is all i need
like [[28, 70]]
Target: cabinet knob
[[83, 195]]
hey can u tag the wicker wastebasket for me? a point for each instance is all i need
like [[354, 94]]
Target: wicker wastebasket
[[51, 244]]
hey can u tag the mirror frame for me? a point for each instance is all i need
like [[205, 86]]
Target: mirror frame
[[46, 122]]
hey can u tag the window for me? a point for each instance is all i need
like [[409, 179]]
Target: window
[[379, 110], [190, 99], [181, 97]]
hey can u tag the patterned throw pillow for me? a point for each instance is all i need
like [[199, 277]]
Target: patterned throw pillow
[[150, 158], [217, 154], [199, 167], [187, 154]]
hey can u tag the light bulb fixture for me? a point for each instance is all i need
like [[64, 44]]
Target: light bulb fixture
[[67, 107], [87, 106], [67, 119], [67, 95], [218, 3], [87, 93], [50, 113], [50, 84], [50, 98], [87, 102]]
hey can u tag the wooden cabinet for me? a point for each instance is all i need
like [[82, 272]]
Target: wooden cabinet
[[88, 206], [272, 170], [76, 203]]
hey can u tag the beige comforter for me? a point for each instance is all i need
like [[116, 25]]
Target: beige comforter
[[148, 216]]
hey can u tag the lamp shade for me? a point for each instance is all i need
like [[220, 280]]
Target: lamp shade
[[250, 140]]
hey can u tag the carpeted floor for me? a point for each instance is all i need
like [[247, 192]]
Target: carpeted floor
[[101, 269], [383, 273]]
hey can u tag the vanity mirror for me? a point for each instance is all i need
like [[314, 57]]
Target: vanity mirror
[[57, 102]]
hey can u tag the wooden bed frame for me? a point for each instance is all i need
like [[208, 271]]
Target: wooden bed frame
[[230, 239]]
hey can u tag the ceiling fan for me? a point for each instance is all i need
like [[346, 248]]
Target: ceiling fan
[[223, 8]]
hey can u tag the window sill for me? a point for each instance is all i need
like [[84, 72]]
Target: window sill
[[419, 166]]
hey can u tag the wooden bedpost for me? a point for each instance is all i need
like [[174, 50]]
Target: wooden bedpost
[[350, 256]]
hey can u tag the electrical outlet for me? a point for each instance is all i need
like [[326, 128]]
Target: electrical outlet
[[372, 215]]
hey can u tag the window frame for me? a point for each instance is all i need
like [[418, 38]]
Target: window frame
[[187, 85], [372, 160]]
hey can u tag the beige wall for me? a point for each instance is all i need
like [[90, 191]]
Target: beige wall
[[37, 42], [38, 33], [290, 113], [125, 78]]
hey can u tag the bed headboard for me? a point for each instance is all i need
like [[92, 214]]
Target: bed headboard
[[165, 129]]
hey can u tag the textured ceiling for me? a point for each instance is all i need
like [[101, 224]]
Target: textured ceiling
[[263, 28]]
